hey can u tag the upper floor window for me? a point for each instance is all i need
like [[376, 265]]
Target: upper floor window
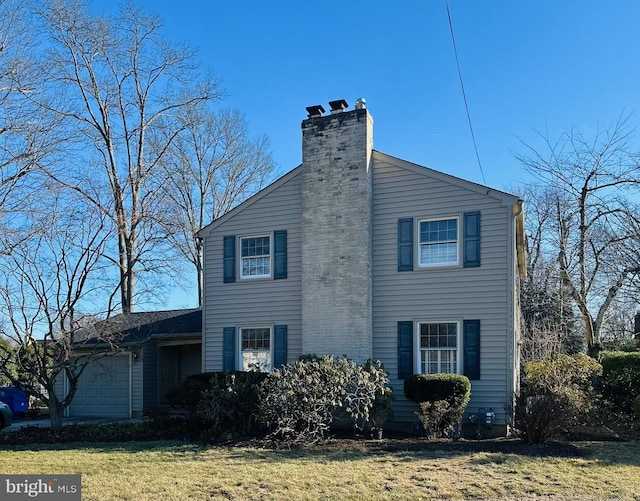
[[439, 345], [438, 242], [255, 257]]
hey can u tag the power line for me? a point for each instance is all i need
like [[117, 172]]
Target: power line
[[464, 94]]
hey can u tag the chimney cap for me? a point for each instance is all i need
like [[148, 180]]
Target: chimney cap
[[361, 103], [315, 111], [338, 106]]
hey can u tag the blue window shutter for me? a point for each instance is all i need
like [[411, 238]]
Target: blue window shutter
[[405, 244], [280, 254], [279, 346], [229, 259], [471, 239], [405, 349], [229, 349], [471, 346]]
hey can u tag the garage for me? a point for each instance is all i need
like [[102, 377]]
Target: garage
[[104, 389]]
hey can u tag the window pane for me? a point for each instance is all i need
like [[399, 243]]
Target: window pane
[[438, 347], [439, 335], [256, 339], [433, 362], [439, 253], [438, 231], [439, 242], [255, 259], [256, 360]]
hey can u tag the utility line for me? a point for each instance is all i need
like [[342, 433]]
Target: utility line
[[464, 94]]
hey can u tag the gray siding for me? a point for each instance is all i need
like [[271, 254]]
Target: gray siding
[[150, 376], [137, 392], [454, 293], [258, 302]]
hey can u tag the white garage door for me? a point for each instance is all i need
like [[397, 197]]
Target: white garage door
[[103, 389]]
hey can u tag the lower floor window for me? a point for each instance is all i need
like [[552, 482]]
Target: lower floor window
[[255, 348], [438, 343]]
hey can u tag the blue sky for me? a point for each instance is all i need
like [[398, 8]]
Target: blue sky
[[527, 67]]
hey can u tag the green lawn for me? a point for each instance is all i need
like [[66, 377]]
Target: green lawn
[[156, 471]]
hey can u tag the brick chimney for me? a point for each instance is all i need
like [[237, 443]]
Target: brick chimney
[[336, 232]]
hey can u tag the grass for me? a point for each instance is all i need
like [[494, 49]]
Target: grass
[[177, 471]]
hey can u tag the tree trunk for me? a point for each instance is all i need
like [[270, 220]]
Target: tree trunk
[[594, 350], [55, 412]]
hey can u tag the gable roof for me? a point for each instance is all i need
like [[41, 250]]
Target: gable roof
[[135, 328]]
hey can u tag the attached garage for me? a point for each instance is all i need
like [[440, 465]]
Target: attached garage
[[159, 349], [104, 389]]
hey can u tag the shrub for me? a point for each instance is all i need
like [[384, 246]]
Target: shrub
[[299, 402], [442, 399], [540, 418], [229, 406], [188, 394], [561, 371], [557, 393], [147, 430], [381, 407], [621, 378]]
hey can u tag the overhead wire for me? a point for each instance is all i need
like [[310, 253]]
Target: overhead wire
[[464, 94]]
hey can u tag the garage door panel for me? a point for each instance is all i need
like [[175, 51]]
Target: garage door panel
[[104, 389]]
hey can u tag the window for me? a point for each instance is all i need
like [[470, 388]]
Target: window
[[438, 342], [439, 242], [255, 257], [255, 349]]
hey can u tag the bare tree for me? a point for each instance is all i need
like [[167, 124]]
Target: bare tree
[[25, 135], [52, 277], [592, 178], [549, 323], [209, 168], [618, 325], [116, 82]]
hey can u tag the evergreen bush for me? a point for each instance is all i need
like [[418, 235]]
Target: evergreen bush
[[442, 399], [299, 402], [621, 379]]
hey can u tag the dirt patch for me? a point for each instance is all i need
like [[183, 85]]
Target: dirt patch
[[398, 443], [416, 444]]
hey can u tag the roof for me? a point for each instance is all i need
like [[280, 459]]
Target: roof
[[138, 327]]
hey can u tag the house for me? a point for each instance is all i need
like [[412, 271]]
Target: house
[[359, 253], [155, 352]]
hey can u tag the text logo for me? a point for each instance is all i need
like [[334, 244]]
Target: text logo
[[41, 487]]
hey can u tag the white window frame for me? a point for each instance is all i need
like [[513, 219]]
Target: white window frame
[[240, 351], [418, 362], [420, 244], [241, 258]]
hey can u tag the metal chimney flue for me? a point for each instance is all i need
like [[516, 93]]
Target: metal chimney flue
[[338, 106], [315, 111]]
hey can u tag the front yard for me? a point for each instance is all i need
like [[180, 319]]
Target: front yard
[[342, 469]]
